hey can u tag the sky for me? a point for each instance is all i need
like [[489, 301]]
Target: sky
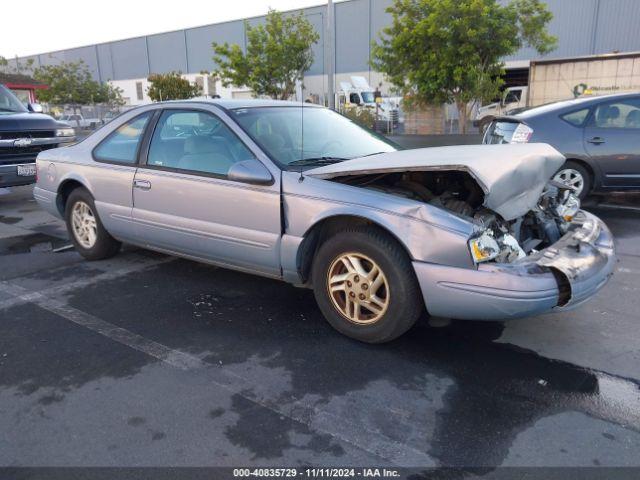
[[40, 26]]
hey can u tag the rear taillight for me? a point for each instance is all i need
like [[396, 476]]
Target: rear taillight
[[521, 134]]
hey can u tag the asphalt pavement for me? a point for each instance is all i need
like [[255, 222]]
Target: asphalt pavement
[[149, 360]]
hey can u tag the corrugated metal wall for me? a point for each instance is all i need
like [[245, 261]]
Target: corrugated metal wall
[[583, 26], [618, 24]]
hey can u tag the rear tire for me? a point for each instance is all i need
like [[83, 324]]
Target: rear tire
[[85, 229], [576, 175], [365, 285]]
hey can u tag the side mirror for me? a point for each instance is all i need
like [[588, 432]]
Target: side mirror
[[34, 107], [250, 171]]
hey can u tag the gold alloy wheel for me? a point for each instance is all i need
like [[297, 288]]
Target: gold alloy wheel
[[84, 226], [358, 288]]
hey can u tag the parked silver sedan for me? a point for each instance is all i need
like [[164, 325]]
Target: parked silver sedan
[[300, 193]]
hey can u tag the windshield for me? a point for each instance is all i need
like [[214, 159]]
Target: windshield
[[368, 97], [9, 102], [327, 135]]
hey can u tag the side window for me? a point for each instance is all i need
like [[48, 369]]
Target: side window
[[576, 118], [513, 96], [619, 114], [122, 144], [354, 98], [195, 141]]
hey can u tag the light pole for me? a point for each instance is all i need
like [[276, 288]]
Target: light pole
[[330, 56]]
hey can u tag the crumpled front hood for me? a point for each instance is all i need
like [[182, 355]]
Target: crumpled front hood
[[511, 176]]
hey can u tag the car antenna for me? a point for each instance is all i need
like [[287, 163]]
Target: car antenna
[[301, 179]]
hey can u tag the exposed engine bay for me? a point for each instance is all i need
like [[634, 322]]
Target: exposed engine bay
[[458, 192]]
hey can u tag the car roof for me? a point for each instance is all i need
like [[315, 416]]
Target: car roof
[[572, 104], [233, 104]]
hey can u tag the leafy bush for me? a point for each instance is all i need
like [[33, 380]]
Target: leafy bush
[[361, 115]]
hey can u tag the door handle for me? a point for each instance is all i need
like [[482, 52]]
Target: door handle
[[596, 140], [142, 184]]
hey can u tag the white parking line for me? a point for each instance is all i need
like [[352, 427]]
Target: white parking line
[[84, 282], [303, 412], [174, 358]]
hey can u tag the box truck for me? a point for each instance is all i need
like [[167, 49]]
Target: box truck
[[566, 78]]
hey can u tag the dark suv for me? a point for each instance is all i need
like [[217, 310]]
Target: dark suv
[[25, 132], [599, 136]]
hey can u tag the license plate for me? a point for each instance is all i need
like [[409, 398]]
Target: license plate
[[26, 170]]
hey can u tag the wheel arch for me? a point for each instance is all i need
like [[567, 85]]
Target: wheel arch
[[592, 171], [327, 226], [65, 188]]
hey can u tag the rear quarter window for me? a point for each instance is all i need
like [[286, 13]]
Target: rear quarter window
[[121, 145], [576, 118]]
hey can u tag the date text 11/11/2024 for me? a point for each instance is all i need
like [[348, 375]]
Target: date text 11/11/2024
[[315, 472]]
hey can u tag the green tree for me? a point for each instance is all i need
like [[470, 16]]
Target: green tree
[[451, 51], [110, 95], [278, 53], [362, 116], [171, 86], [69, 83]]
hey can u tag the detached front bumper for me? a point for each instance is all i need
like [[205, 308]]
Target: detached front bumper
[[559, 277]]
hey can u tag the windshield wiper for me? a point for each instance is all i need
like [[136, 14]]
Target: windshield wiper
[[318, 161], [2, 109]]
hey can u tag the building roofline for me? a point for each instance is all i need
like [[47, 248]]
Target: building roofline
[[587, 58], [177, 30]]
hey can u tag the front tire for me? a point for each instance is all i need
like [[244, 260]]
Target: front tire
[[365, 285], [85, 229]]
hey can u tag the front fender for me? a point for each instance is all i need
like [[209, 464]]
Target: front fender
[[426, 232]]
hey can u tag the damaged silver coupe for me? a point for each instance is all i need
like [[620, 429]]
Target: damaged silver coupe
[[300, 193]]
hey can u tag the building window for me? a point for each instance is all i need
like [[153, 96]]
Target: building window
[[139, 92], [211, 86]]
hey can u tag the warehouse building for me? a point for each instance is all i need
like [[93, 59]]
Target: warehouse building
[[584, 27]]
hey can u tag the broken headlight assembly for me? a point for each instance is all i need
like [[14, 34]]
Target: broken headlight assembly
[[568, 207], [484, 247], [506, 242], [501, 248]]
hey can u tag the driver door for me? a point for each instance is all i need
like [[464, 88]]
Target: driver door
[[183, 202]]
